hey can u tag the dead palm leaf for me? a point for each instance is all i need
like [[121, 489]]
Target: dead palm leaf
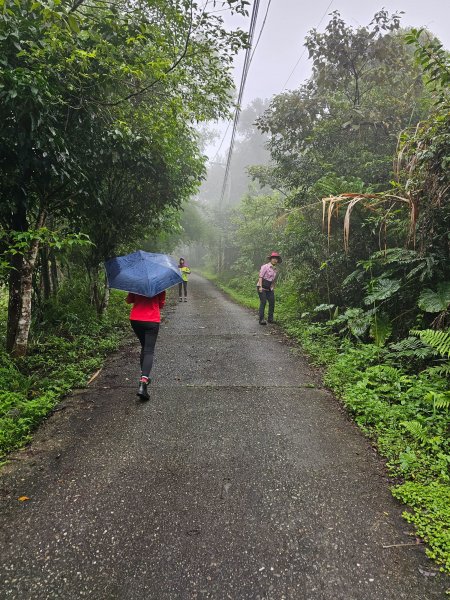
[[330, 207]]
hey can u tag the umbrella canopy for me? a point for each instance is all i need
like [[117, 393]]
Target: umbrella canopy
[[143, 273]]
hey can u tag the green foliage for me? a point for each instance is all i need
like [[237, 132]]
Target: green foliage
[[346, 118], [434, 60], [259, 221], [391, 282], [381, 289], [410, 353], [438, 301], [19, 242], [68, 346], [430, 504], [347, 366], [337, 134], [438, 340], [354, 320], [381, 328], [439, 399]]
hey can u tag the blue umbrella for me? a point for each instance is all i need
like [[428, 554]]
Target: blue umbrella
[[144, 273]]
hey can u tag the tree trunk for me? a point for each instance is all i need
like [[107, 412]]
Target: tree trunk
[[54, 279], [20, 297], [20, 345], [14, 301], [100, 293], [18, 223], [105, 300], [45, 273]]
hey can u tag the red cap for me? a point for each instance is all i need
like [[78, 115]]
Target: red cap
[[275, 255]]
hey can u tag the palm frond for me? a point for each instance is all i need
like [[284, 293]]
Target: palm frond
[[331, 204]]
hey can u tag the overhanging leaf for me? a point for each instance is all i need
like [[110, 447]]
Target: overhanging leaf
[[381, 289], [381, 329], [358, 321], [322, 307], [433, 302]]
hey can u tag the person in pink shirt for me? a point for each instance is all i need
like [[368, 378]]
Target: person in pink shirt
[[145, 318], [265, 286]]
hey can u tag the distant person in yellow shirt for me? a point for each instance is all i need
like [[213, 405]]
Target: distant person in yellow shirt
[[185, 270]]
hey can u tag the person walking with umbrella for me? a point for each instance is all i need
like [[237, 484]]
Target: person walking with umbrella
[[145, 317], [265, 286], [145, 276], [185, 271]]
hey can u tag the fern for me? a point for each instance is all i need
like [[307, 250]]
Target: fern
[[411, 347], [440, 370], [416, 430], [421, 266], [439, 399], [424, 270], [438, 340], [322, 307], [356, 276]]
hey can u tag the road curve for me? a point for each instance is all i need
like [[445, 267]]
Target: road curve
[[242, 478]]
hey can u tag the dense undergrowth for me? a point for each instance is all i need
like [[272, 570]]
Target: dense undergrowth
[[400, 406], [69, 344]]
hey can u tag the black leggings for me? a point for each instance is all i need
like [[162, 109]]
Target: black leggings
[[147, 333], [182, 286]]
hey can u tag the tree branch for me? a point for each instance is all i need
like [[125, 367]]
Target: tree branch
[[76, 5], [172, 68]]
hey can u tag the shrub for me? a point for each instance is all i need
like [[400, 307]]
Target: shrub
[[67, 346]]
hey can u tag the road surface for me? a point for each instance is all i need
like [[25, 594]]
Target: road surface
[[242, 478]]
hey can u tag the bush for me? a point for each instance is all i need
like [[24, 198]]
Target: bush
[[67, 346], [430, 515]]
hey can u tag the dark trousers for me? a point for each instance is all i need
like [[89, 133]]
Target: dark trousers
[[182, 286], [147, 333], [266, 296]]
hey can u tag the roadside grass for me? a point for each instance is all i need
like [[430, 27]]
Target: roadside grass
[[241, 295], [68, 345], [392, 405]]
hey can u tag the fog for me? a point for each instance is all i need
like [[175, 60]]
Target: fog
[[280, 61]]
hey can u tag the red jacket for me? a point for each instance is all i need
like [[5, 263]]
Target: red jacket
[[146, 309]]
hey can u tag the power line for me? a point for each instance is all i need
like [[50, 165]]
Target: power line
[[245, 69], [304, 50], [223, 139], [261, 30], [251, 58]]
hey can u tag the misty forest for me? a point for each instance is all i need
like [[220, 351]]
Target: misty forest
[[107, 109]]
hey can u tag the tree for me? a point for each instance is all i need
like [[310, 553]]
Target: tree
[[73, 78], [364, 90]]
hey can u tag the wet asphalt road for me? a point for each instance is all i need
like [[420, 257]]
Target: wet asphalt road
[[240, 479]]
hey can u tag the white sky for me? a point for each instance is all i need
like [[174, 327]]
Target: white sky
[[288, 22]]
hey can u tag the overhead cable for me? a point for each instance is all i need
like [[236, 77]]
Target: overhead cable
[[245, 69], [261, 30], [304, 49], [251, 58], [221, 143]]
